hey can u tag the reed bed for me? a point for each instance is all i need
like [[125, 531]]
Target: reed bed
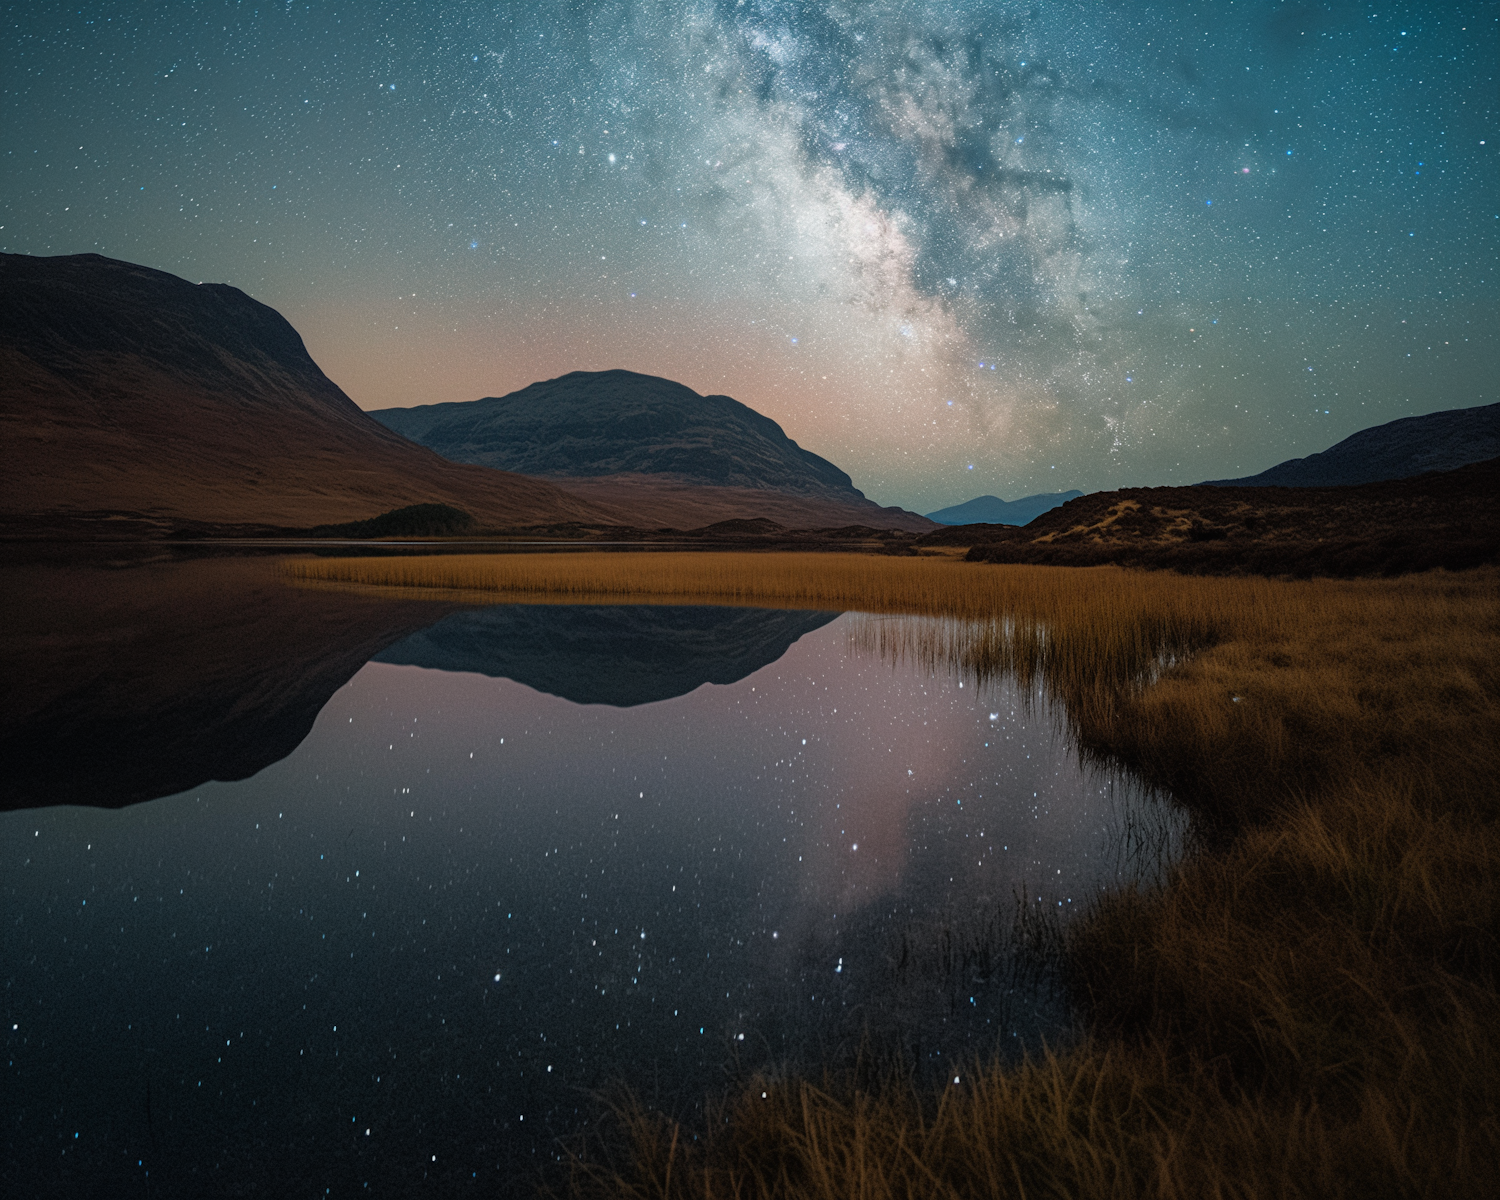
[[1131, 618], [1104, 1120], [1307, 1005]]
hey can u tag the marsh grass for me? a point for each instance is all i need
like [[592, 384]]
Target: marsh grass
[[1144, 615], [1306, 1005]]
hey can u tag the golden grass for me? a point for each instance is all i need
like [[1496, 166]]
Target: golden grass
[[869, 582], [1307, 1006], [1103, 1120], [1131, 616]]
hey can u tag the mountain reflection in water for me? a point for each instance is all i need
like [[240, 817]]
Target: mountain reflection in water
[[622, 655], [128, 682], [462, 906]]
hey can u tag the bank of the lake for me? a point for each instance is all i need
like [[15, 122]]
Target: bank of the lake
[[1307, 1006]]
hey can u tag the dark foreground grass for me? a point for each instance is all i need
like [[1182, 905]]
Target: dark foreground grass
[[1307, 1006]]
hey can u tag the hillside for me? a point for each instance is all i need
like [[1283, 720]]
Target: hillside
[[588, 424], [132, 399], [657, 447], [1440, 441], [1444, 519]]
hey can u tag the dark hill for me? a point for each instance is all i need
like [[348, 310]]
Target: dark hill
[[1440, 441], [588, 424], [128, 391], [991, 510], [651, 446], [1444, 519]]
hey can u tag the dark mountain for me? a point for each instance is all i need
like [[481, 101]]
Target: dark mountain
[[591, 423], [652, 446], [128, 391], [1440, 441], [1447, 519], [991, 510], [129, 682], [622, 655]]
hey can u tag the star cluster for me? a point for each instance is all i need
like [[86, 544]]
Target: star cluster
[[955, 247]]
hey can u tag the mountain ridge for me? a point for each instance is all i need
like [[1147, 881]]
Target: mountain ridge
[[1441, 519], [127, 391], [1399, 449], [991, 510], [651, 445], [592, 424]]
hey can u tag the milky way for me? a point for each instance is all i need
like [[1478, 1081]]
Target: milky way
[[956, 248]]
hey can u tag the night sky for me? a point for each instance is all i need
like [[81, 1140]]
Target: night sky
[[957, 248]]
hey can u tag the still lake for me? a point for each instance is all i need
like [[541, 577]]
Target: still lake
[[480, 864]]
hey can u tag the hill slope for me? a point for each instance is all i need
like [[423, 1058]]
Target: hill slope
[[1444, 519], [657, 447], [991, 510], [588, 424], [128, 390], [1440, 441]]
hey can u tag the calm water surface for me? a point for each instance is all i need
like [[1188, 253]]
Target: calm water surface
[[522, 854]]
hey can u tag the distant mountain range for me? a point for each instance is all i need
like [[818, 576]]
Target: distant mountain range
[[991, 510], [136, 404], [1440, 441], [128, 393], [651, 445], [1445, 519]]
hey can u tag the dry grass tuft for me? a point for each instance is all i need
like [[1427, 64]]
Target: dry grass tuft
[[1103, 1120], [1306, 1006]]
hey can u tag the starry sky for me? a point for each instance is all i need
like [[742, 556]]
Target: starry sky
[[958, 248]]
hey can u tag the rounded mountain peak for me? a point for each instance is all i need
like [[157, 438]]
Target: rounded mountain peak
[[588, 424]]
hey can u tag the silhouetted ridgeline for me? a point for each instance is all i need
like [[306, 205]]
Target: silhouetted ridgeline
[[1446, 519], [1440, 441], [639, 443], [592, 423], [991, 510]]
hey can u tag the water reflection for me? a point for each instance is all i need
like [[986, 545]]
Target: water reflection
[[409, 949], [126, 681], [608, 654]]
